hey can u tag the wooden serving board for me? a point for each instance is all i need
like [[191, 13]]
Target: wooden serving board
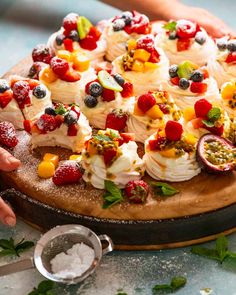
[[204, 207]]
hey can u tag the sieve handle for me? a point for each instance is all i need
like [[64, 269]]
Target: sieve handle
[[110, 246], [16, 266]]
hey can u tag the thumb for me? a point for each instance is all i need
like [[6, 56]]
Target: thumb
[[7, 216], [7, 161]]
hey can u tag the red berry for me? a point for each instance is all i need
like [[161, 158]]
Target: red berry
[[164, 108], [8, 134], [70, 22], [173, 130], [71, 76], [175, 81], [76, 109], [215, 130], [108, 95], [46, 123], [59, 120], [127, 137], [21, 91], [205, 73], [197, 123], [88, 43], [68, 172], [95, 33], [146, 101], [186, 29], [42, 53], [183, 44], [33, 83], [109, 155], [198, 87], [140, 24], [27, 126], [128, 90], [155, 56], [59, 66], [116, 120], [68, 44], [137, 191], [155, 144], [202, 108], [88, 84], [35, 69], [231, 58], [72, 130], [5, 98], [146, 43]]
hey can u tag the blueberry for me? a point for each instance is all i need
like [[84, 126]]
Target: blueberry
[[59, 39], [231, 46], [74, 35], [50, 111], [95, 89], [4, 86], [184, 83], [173, 71], [70, 118], [221, 44], [197, 76], [39, 91], [127, 16], [118, 24], [119, 79], [173, 35], [90, 101], [200, 38]]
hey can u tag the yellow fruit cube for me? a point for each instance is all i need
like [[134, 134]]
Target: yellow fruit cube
[[154, 112], [149, 66], [81, 62], [75, 157], [48, 76], [64, 54], [131, 44], [137, 111], [190, 139], [91, 149], [189, 114], [138, 66], [141, 54], [228, 90], [170, 153], [162, 133], [51, 158], [46, 169]]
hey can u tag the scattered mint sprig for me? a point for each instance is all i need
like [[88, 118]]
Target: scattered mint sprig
[[44, 288], [171, 26], [112, 196], [213, 115], [9, 247], [175, 284], [163, 189], [102, 137]]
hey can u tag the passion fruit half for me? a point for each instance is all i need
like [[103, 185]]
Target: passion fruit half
[[216, 154]]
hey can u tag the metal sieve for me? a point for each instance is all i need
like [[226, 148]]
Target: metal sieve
[[60, 239]]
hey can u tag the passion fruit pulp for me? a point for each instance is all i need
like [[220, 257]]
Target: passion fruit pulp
[[216, 154]]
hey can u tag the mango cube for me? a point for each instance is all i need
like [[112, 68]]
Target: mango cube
[[48, 76], [131, 44], [162, 133], [170, 153], [81, 62], [138, 66], [141, 54], [189, 114], [228, 90], [91, 149], [64, 54], [51, 158], [154, 112], [137, 111], [75, 157], [149, 66], [46, 169], [190, 139]]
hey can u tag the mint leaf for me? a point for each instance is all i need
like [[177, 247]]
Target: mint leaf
[[171, 26], [102, 137], [205, 252], [8, 252], [162, 188], [7, 244], [60, 110], [175, 284], [214, 114], [9, 247], [45, 287], [222, 247], [229, 262], [112, 196], [208, 123]]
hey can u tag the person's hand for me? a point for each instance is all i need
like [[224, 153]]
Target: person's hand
[[7, 163]]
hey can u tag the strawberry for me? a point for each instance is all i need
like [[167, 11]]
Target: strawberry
[[109, 155], [116, 120], [183, 44], [95, 33], [155, 56], [68, 172], [59, 66], [140, 24], [202, 108], [71, 76], [27, 126], [21, 91], [33, 83], [128, 89], [205, 73], [231, 58], [164, 108], [146, 101], [46, 123], [108, 95], [198, 87], [88, 43], [42, 53], [8, 134], [68, 44], [173, 130], [175, 81], [70, 22], [137, 191], [186, 29], [215, 130], [5, 98], [127, 137], [72, 130], [155, 144], [59, 120]]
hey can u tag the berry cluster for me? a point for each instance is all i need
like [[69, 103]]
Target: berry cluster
[[8, 135], [229, 45], [132, 22]]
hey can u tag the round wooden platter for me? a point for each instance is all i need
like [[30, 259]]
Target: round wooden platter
[[204, 207]]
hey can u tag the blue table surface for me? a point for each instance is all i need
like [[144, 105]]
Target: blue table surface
[[25, 23]]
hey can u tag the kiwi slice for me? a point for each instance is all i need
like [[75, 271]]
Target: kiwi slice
[[185, 69], [107, 81], [83, 26]]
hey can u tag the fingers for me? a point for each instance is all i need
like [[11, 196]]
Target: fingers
[[7, 216], [7, 161]]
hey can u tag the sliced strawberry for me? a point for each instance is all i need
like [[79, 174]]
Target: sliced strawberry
[[68, 44], [116, 120], [173, 130], [8, 134], [109, 155], [231, 58], [68, 172], [72, 130], [5, 98], [137, 191], [198, 87], [95, 33], [128, 90], [154, 57], [155, 144], [59, 120], [183, 44], [127, 137], [146, 101], [27, 126], [88, 43], [202, 108], [108, 95], [175, 81], [71, 76], [205, 73]]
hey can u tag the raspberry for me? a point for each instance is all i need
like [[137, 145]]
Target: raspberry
[[59, 66], [88, 43], [128, 89], [108, 95], [202, 108], [67, 173], [70, 22], [146, 101], [42, 53], [46, 123], [8, 134], [146, 43], [173, 130], [137, 191], [116, 120], [21, 91]]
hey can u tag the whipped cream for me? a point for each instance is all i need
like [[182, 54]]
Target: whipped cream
[[13, 114], [58, 137], [178, 169], [127, 167]]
